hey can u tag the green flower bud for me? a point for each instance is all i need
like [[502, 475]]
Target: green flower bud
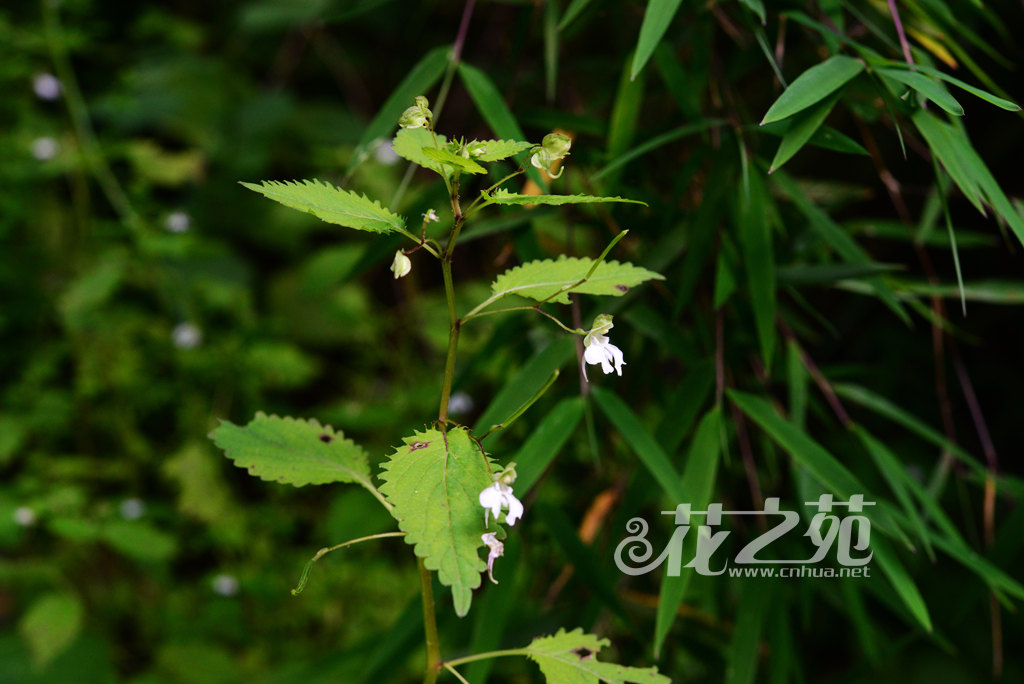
[[555, 146], [417, 116], [401, 265], [508, 475]]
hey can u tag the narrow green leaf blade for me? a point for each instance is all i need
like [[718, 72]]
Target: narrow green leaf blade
[[331, 204], [925, 87], [758, 255], [657, 18], [541, 279], [814, 85], [433, 481], [804, 126], [546, 440], [293, 451]]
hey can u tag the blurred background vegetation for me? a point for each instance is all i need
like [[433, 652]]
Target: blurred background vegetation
[[144, 295]]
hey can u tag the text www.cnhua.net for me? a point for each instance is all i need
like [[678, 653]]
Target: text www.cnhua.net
[[799, 572]]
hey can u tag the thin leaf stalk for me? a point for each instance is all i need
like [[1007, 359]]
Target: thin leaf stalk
[[429, 625]]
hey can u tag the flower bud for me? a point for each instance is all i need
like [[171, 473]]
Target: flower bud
[[401, 265], [417, 116], [555, 146]]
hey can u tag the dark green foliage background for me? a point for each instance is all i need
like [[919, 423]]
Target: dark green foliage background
[[98, 406]]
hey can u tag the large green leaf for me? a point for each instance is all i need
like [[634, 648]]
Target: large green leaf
[[571, 658], [331, 204], [503, 196], [434, 481], [542, 279], [814, 85], [293, 451]]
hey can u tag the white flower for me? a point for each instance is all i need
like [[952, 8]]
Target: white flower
[[177, 222], [46, 86], [385, 154], [186, 336], [431, 216], [599, 350], [497, 550], [499, 495], [225, 585], [401, 265], [460, 402], [132, 509], [24, 516], [45, 148]]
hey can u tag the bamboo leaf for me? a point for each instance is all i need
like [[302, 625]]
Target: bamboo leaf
[[804, 126], [814, 85], [657, 18], [925, 87]]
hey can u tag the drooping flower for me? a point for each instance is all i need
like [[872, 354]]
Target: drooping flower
[[553, 147], [499, 496], [598, 350], [417, 116], [401, 265], [431, 216], [497, 550]]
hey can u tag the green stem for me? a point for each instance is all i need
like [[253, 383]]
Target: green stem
[[489, 654], [429, 625], [449, 294], [326, 550], [455, 673], [563, 326]]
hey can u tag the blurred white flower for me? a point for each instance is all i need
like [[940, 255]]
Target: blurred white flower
[[132, 509], [24, 516], [45, 148], [47, 86], [177, 222], [497, 550], [384, 154], [225, 585], [431, 216], [459, 403], [186, 336]]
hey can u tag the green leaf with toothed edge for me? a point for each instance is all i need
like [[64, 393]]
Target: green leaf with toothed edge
[[409, 143], [293, 451], [571, 658], [503, 196], [496, 150], [451, 159], [434, 481], [331, 204], [541, 279]]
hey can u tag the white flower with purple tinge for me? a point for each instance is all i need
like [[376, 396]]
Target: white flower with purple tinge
[[177, 222], [47, 87], [499, 496], [497, 550]]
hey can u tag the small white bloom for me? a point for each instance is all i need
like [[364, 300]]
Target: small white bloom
[[459, 403], [401, 265], [45, 148], [177, 222], [499, 495], [186, 336], [497, 550], [24, 516], [385, 154], [599, 350], [46, 86], [132, 509], [225, 585], [431, 216]]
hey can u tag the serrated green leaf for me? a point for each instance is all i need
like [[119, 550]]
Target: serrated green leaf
[[409, 143], [814, 85], [541, 279], [293, 451], [434, 482], [50, 625], [571, 658], [496, 150], [451, 159], [331, 204], [503, 196]]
